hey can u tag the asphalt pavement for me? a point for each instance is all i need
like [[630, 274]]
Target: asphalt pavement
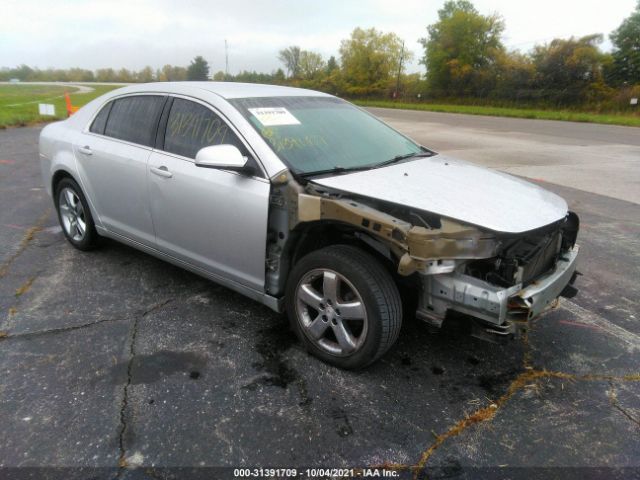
[[602, 159], [115, 364]]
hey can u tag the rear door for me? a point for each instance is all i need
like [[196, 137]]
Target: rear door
[[213, 219], [112, 158]]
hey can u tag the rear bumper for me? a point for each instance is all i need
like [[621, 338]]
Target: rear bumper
[[495, 305]]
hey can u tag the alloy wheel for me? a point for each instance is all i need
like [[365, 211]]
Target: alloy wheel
[[72, 214], [331, 312]]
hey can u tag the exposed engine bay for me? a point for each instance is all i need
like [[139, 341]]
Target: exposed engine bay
[[496, 277], [523, 258]]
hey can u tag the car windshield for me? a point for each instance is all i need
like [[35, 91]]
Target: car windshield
[[319, 134]]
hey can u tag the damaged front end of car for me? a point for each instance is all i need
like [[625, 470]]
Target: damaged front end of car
[[500, 279], [522, 279]]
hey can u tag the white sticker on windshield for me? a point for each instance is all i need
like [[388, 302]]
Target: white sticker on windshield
[[274, 116]]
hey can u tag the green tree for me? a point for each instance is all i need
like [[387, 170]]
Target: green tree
[[290, 58], [370, 60], [568, 70], [80, 75], [279, 77], [411, 85], [219, 76], [23, 72], [180, 74], [514, 77], [145, 75], [106, 75], [169, 73], [461, 50], [311, 64], [332, 65], [125, 76], [248, 76], [626, 53], [198, 69]]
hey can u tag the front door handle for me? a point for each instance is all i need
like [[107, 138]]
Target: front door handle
[[161, 171], [85, 150]]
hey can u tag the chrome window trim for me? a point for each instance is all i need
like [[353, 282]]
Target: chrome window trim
[[131, 144], [223, 117], [86, 130]]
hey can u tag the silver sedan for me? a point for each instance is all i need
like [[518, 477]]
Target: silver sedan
[[310, 205]]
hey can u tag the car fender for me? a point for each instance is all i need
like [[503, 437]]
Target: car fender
[[62, 159]]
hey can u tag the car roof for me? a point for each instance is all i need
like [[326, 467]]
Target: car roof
[[226, 90]]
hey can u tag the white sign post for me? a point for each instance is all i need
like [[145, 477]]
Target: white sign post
[[633, 101], [46, 109]]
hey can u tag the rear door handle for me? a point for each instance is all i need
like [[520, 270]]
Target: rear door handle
[[161, 171], [85, 150]]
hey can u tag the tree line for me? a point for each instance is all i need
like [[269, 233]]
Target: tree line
[[464, 57]]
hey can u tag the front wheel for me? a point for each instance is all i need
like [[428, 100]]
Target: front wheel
[[344, 306]]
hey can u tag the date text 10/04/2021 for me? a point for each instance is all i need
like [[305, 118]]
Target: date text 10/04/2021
[[314, 473]]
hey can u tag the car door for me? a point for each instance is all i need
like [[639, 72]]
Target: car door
[[112, 160], [213, 219]]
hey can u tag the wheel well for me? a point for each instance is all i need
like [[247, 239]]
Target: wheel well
[[322, 234], [311, 236], [57, 177]]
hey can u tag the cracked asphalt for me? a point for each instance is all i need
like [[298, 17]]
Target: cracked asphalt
[[113, 360]]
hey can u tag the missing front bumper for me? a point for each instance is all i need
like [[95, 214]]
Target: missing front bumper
[[495, 305]]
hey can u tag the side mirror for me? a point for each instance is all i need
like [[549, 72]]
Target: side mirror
[[225, 157]]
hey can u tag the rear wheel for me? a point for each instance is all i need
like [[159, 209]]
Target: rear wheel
[[74, 215], [344, 306]]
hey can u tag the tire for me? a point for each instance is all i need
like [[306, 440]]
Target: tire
[[326, 286], [72, 205]]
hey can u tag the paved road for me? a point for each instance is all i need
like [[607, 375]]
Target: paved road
[[603, 159], [114, 357], [76, 89]]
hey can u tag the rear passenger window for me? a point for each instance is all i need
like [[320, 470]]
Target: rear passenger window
[[134, 119], [192, 126], [101, 119]]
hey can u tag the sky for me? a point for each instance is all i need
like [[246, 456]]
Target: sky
[[136, 33]]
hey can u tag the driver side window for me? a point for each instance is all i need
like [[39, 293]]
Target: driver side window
[[192, 126]]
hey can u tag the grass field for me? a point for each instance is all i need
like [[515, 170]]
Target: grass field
[[628, 120], [19, 102]]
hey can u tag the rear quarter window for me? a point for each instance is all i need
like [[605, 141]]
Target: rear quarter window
[[134, 119], [101, 119]]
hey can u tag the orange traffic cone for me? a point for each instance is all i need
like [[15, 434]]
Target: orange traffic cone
[[70, 108]]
